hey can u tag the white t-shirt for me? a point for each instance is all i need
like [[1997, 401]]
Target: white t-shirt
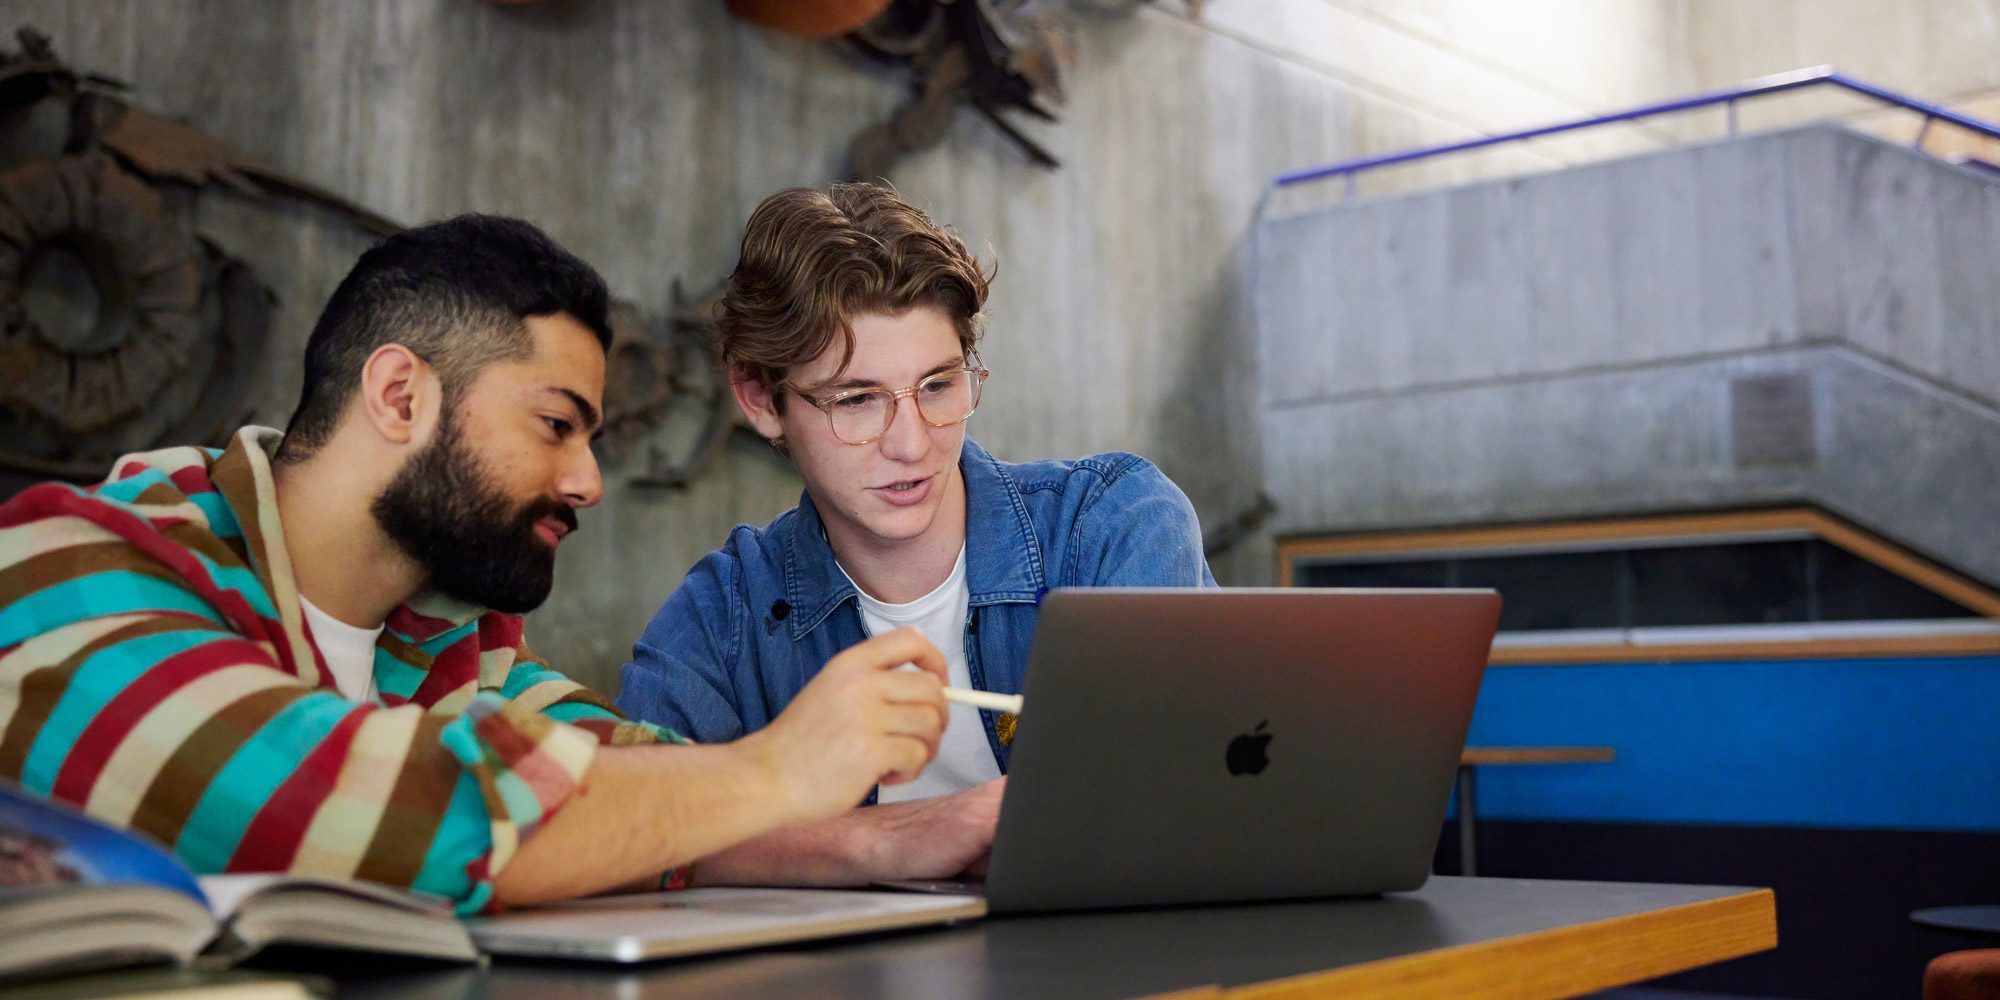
[[349, 651], [964, 757]]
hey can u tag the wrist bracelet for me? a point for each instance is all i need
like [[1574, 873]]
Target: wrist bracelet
[[678, 878]]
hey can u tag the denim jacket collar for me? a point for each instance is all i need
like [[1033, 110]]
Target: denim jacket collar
[[1003, 558]]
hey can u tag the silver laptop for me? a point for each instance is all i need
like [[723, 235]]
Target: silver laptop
[[1181, 746], [649, 926], [1177, 746]]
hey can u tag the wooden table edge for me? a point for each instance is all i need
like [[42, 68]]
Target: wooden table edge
[[1559, 962], [1484, 756]]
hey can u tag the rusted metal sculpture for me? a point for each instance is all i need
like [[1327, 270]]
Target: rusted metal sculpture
[[157, 149], [120, 330], [808, 18], [996, 55], [178, 328], [999, 56], [656, 373]]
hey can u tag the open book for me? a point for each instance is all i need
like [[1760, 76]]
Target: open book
[[78, 894]]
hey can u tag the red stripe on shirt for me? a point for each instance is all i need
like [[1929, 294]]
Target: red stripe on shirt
[[273, 836], [51, 500], [450, 669], [192, 480], [112, 723]]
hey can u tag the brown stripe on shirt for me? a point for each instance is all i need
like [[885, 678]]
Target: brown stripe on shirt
[[46, 569], [416, 808], [197, 535], [406, 652], [219, 550], [180, 783], [585, 696], [235, 480], [43, 687]]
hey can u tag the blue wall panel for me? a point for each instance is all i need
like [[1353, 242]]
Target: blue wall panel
[[1900, 744]]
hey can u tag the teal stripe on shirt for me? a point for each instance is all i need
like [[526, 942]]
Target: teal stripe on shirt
[[238, 579], [98, 679], [438, 643], [221, 520], [393, 676], [576, 711], [126, 491], [112, 592], [524, 675], [464, 834], [252, 775]]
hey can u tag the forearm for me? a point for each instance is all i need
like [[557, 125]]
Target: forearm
[[641, 810], [920, 839], [638, 811], [825, 852]]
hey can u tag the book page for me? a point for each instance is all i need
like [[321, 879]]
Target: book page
[[257, 910], [228, 893]]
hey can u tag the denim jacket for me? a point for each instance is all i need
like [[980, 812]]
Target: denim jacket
[[757, 618]]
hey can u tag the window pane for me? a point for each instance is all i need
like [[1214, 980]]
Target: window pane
[[1549, 591], [1739, 584], [1853, 589], [1410, 573]]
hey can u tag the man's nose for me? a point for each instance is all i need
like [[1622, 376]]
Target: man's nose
[[908, 436], [582, 483]]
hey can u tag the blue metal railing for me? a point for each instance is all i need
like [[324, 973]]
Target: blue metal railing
[[1760, 87]]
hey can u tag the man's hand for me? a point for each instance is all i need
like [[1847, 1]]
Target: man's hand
[[939, 838], [858, 723], [642, 809], [936, 838]]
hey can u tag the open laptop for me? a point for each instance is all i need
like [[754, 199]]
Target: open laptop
[[1177, 746], [1184, 746]]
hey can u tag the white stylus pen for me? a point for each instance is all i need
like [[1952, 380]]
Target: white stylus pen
[[978, 699], [984, 699]]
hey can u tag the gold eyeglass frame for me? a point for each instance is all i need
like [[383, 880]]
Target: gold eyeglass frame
[[978, 371]]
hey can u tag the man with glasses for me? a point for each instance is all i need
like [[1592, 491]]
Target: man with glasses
[[849, 328]]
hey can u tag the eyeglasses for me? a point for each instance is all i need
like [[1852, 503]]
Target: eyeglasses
[[859, 416]]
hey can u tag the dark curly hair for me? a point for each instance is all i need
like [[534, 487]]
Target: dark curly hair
[[456, 293]]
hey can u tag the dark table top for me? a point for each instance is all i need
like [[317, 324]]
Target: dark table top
[[1969, 919], [1452, 928]]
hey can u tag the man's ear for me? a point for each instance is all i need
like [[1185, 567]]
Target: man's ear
[[759, 402], [399, 394]]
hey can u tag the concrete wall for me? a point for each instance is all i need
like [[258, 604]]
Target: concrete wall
[[1587, 343], [642, 132], [1536, 62], [1939, 50]]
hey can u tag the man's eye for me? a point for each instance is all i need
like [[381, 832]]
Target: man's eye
[[855, 402], [560, 426]]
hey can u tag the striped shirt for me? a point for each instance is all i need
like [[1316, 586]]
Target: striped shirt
[[155, 670]]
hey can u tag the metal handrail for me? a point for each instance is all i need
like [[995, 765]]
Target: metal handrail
[[1822, 75]]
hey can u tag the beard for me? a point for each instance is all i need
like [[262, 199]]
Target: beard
[[473, 542]]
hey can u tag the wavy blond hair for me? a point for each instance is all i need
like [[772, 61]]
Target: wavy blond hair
[[813, 259]]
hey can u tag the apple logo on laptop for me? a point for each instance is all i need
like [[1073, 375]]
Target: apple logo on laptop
[[1246, 752]]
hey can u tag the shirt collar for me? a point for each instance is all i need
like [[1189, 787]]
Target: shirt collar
[[1003, 558]]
